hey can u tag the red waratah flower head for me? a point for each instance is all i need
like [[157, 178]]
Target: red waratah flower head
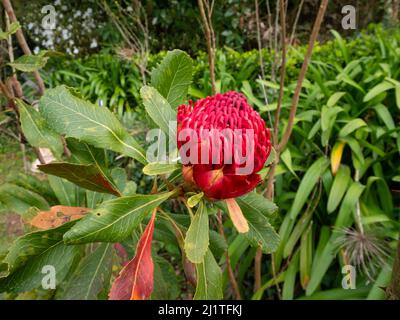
[[223, 143]]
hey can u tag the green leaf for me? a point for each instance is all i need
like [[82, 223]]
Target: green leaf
[[29, 63], [378, 89], [13, 28], [256, 209], [339, 294], [19, 199], [30, 253], [287, 160], [333, 99], [166, 282], [290, 278], [383, 280], [339, 188], [258, 204], [86, 154], [306, 254], [173, 76], [351, 126], [385, 116], [297, 232], [64, 190], [87, 176], [197, 236], [342, 45], [344, 219], [209, 279], [114, 220], [92, 275], [157, 168], [348, 204], [77, 118], [159, 109], [308, 182], [397, 92], [195, 199], [36, 131]]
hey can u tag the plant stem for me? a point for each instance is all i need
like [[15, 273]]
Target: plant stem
[[23, 44], [210, 38], [283, 72], [259, 43], [231, 275], [304, 67], [393, 291]]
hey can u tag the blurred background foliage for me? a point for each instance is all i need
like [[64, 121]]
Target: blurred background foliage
[[338, 181]]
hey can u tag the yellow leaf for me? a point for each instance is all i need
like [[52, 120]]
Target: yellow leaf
[[237, 217], [336, 156]]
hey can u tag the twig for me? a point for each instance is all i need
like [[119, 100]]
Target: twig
[[210, 38], [259, 43], [231, 275], [257, 270], [393, 291], [296, 20], [283, 72], [23, 44], [304, 67]]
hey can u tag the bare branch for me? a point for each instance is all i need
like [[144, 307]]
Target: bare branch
[[304, 67], [23, 44], [210, 38]]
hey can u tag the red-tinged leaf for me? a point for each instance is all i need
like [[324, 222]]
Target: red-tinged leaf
[[121, 252], [135, 281], [88, 176], [57, 216]]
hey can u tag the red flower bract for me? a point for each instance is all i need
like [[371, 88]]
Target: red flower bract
[[223, 143]]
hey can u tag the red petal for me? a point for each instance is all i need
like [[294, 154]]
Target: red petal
[[135, 281], [216, 184]]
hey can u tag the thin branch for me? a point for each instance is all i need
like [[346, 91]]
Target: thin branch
[[257, 270], [231, 275], [259, 43], [304, 67], [296, 20], [283, 72], [210, 38], [23, 44]]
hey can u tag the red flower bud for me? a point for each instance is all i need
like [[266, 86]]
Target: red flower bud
[[223, 143]]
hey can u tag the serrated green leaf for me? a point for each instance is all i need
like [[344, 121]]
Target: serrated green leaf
[[114, 220], [173, 76], [256, 209], [159, 109], [13, 28], [29, 63], [77, 118], [197, 236]]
